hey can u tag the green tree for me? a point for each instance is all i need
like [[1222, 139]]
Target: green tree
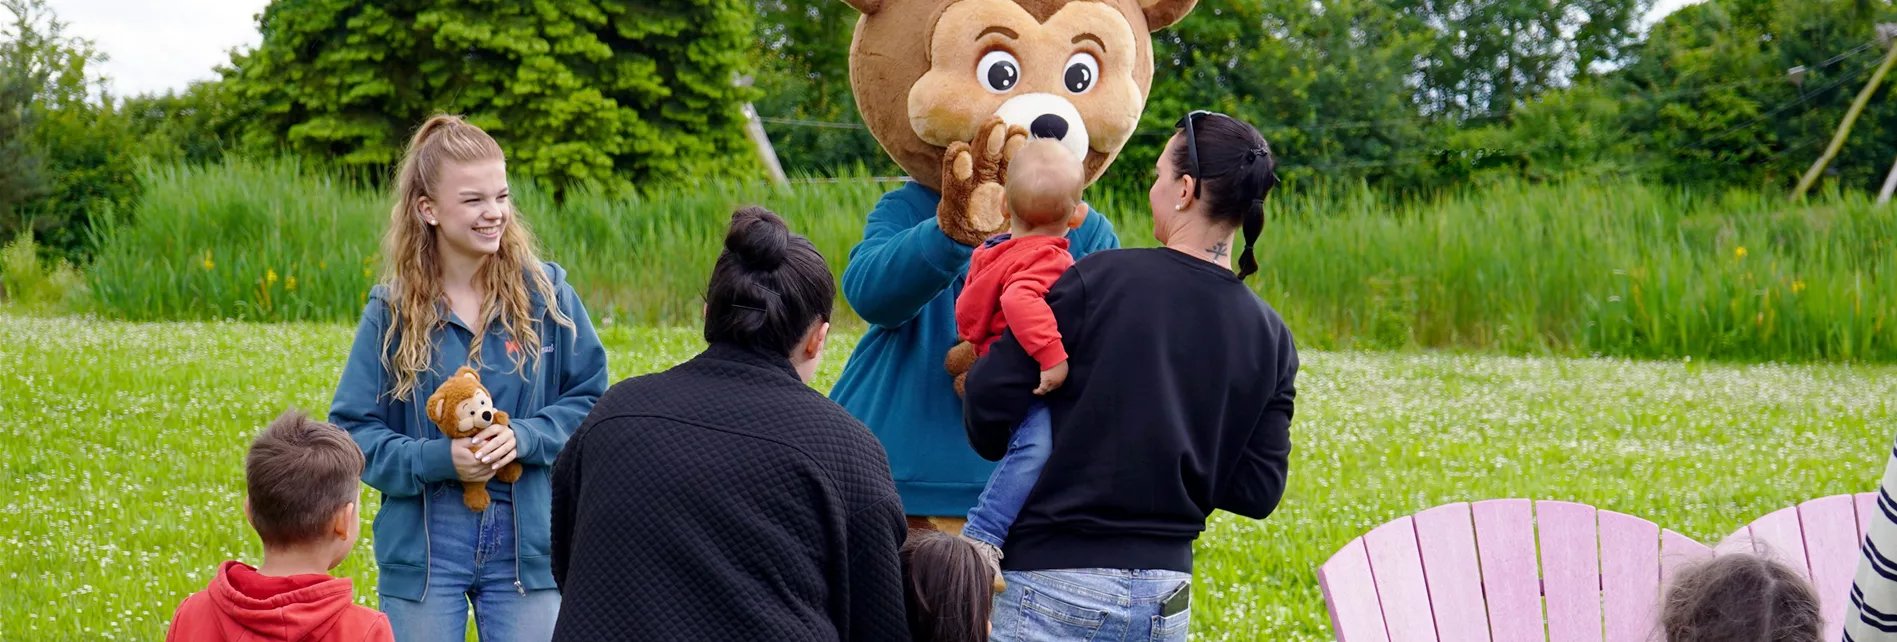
[[85, 150], [1326, 82], [1490, 56], [804, 75], [195, 126], [1717, 107], [22, 177], [601, 92]]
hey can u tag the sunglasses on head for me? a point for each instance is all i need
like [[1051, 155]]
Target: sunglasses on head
[[1192, 145]]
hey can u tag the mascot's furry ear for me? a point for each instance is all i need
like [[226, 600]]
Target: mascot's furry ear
[[868, 7], [1160, 14]]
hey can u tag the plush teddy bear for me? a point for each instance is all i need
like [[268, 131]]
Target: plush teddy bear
[[462, 407]]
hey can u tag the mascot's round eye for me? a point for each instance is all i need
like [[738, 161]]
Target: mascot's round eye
[[1082, 72], [998, 72]]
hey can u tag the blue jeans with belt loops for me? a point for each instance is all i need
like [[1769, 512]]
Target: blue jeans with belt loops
[[471, 561], [1089, 604]]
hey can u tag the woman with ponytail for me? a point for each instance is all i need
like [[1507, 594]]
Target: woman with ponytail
[[462, 285], [1178, 402], [725, 499]]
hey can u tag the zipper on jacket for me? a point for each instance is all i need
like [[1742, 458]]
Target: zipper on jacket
[[533, 401], [428, 539]]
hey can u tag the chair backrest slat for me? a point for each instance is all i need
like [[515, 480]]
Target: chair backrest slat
[[1866, 511], [1446, 536], [1505, 543], [1397, 567], [1678, 551], [1630, 576], [1831, 545], [1351, 595], [1570, 570]]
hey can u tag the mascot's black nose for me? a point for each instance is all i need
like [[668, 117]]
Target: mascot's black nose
[[1049, 126], [487, 415]]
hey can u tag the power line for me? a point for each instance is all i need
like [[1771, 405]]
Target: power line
[[811, 123]]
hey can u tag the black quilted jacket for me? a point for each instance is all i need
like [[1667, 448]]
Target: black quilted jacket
[[724, 499]]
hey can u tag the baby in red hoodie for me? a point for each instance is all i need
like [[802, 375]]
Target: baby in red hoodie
[[304, 490], [1006, 289]]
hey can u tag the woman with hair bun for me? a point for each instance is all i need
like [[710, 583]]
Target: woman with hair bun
[[725, 499]]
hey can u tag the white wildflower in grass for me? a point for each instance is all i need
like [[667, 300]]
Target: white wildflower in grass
[[123, 444]]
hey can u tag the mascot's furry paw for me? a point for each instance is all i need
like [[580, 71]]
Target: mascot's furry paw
[[972, 179], [960, 359]]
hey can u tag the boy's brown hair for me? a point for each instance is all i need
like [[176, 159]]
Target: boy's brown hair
[[299, 472], [1741, 597], [1044, 183]]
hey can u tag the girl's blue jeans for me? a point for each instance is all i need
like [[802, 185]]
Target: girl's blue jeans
[[471, 561]]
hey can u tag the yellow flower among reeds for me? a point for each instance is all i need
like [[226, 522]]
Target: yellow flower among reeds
[[269, 277], [208, 263], [289, 283], [1739, 252], [1797, 286]]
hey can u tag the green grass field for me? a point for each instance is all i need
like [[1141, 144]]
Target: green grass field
[[122, 468]]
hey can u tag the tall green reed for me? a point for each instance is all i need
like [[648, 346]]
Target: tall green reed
[[1614, 268]]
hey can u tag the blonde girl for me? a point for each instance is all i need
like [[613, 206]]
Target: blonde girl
[[462, 285]]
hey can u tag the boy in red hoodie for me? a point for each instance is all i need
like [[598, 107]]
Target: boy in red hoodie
[[304, 488], [1006, 289]]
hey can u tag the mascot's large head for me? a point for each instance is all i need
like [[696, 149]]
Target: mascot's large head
[[929, 73]]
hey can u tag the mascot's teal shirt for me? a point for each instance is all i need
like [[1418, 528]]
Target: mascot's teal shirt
[[903, 279]]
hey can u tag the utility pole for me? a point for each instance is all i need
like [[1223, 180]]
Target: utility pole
[[1884, 34]]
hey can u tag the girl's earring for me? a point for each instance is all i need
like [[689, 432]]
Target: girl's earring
[[1179, 207], [432, 221]]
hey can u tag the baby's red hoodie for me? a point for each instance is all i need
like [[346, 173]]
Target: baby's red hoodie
[[1006, 289], [243, 605]]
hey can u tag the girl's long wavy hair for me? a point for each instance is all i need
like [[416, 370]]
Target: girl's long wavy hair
[[412, 262]]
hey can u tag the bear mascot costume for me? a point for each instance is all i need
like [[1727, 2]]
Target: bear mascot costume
[[950, 88]]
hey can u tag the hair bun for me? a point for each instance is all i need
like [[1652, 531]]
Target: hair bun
[[758, 237]]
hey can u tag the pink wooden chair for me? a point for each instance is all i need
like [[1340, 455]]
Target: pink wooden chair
[[1819, 538], [1510, 570]]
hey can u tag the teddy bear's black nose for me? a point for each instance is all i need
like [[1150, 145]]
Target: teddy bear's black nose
[[487, 415], [1049, 126]]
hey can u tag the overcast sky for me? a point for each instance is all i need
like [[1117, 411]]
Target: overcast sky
[[155, 46]]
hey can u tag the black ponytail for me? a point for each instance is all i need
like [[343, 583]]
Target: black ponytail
[[1237, 172], [768, 287]]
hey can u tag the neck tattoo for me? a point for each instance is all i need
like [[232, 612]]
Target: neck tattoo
[[1219, 251]]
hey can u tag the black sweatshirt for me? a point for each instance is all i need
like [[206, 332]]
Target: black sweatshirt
[[1178, 403], [724, 499]]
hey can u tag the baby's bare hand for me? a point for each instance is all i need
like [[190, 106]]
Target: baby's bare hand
[[1052, 378]]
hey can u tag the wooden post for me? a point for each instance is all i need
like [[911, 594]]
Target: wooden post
[[1890, 185], [765, 152], [1884, 33]]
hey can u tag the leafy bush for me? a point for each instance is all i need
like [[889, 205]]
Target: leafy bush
[[28, 282]]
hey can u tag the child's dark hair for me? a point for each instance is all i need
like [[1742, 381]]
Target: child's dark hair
[[298, 473], [1741, 597], [768, 287], [1236, 171], [947, 588]]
